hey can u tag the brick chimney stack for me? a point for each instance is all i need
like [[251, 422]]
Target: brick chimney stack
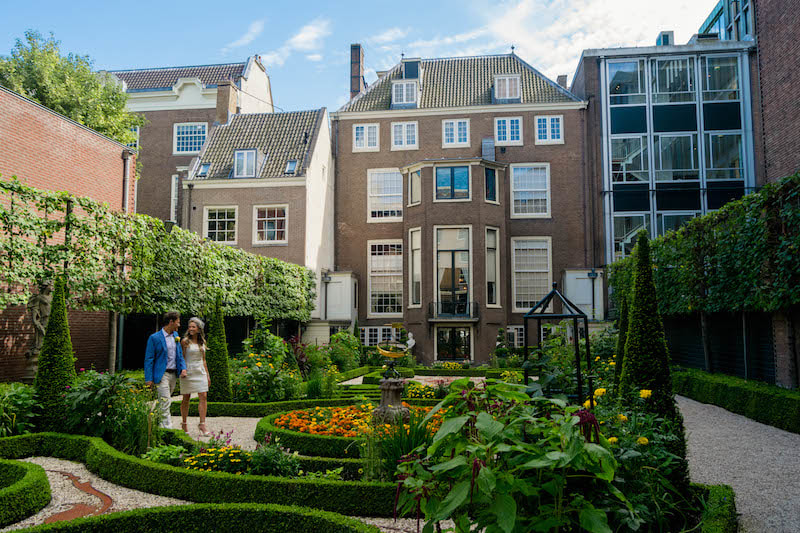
[[357, 84], [562, 80]]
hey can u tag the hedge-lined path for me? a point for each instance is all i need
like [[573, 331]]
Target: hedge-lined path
[[66, 496], [242, 429], [425, 380], [760, 462]]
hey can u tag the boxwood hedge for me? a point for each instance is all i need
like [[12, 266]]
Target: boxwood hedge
[[720, 514], [24, 489]]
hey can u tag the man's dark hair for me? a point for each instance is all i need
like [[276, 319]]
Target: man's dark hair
[[169, 316]]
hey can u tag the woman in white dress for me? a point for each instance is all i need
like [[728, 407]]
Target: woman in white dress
[[197, 379]]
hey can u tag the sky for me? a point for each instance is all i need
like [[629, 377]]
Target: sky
[[305, 45]]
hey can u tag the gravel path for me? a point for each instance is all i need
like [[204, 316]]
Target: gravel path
[[242, 429], [760, 462]]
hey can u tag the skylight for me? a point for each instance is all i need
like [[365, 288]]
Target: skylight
[[203, 172], [291, 166]]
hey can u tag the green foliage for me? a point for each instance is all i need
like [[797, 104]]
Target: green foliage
[[24, 490], [259, 378], [17, 409], [385, 448], [269, 459], [56, 371], [230, 459], [217, 358], [622, 326], [167, 454], [263, 341], [719, 515], [344, 350], [68, 85]]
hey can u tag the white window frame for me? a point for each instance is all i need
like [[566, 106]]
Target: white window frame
[[547, 214], [404, 100], [507, 96], [235, 208], [380, 220], [403, 145], [175, 137], [173, 197], [411, 201], [469, 184], [367, 147], [496, 186], [519, 335], [370, 313], [246, 154], [549, 241], [508, 141], [267, 242], [135, 144], [550, 139], [454, 325], [382, 334], [455, 143], [498, 304], [411, 304]]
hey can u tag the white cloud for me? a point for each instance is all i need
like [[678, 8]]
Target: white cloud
[[387, 36], [438, 42], [314, 57], [309, 38], [253, 31]]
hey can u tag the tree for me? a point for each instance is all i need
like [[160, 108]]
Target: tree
[[68, 85], [217, 358], [622, 326], [56, 364]]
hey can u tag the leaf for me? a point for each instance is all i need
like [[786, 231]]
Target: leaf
[[505, 509], [449, 465], [486, 480], [455, 499], [594, 520], [451, 425], [488, 425]]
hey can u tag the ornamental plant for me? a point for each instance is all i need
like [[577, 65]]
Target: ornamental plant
[[622, 326], [56, 372], [217, 358], [230, 459], [17, 405], [344, 351], [270, 459]]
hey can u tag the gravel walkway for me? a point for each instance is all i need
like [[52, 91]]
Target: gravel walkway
[[242, 429], [760, 462]]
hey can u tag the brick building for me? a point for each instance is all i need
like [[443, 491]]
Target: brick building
[[49, 151], [460, 197]]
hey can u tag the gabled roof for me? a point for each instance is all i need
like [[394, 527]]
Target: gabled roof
[[278, 137], [166, 77], [462, 82]]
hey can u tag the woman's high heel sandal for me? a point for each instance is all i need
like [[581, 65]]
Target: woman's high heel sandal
[[184, 427], [203, 431]]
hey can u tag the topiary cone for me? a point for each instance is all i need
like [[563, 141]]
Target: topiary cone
[[621, 338], [217, 358], [56, 370]]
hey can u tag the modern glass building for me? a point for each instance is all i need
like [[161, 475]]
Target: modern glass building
[[732, 20]]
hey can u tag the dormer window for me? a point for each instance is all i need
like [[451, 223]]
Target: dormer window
[[244, 164], [506, 87], [203, 172], [404, 93], [291, 166]]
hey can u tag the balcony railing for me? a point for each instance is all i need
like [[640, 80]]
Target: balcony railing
[[453, 310]]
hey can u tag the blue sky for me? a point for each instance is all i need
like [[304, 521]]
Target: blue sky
[[305, 45]]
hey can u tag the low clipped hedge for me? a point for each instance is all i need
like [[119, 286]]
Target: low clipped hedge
[[720, 514], [374, 378], [464, 372], [24, 490], [201, 518], [256, 410], [761, 402], [354, 498], [356, 372]]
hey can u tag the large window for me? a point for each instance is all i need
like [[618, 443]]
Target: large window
[[374, 335], [530, 190], [676, 157], [455, 133], [508, 131], [673, 80], [188, 137], [492, 267], [385, 195], [414, 188], [415, 267], [549, 130], [404, 136], [490, 184], [404, 92], [453, 271], [626, 83], [626, 227], [629, 159], [220, 224], [366, 138], [724, 156], [385, 278], [532, 277], [244, 164], [453, 343], [506, 87], [452, 183], [270, 224], [672, 221], [720, 78]]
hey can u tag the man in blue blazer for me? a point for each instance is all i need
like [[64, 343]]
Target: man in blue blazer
[[163, 362]]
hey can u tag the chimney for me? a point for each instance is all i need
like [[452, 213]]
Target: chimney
[[227, 101], [356, 70], [562, 80]]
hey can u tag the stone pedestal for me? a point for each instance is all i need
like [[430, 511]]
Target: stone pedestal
[[391, 408]]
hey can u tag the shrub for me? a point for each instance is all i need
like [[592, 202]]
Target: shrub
[[269, 459], [24, 490], [314, 385], [256, 378], [217, 358], [264, 342], [167, 454], [343, 351], [56, 372], [17, 405], [622, 326], [719, 515], [386, 445]]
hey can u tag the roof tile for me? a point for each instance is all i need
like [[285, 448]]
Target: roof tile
[[162, 78]]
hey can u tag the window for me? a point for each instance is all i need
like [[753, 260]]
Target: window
[[221, 224], [291, 166], [492, 267], [404, 92], [173, 197], [366, 138], [515, 336], [414, 191], [530, 190], [135, 143], [203, 172], [453, 267], [532, 278], [508, 131], [673, 80], [491, 184], [626, 227], [720, 78], [374, 335], [506, 87], [452, 183], [188, 138], [676, 157], [404, 136], [626, 83], [672, 221], [724, 156], [453, 343], [244, 164], [385, 195], [415, 267], [629, 159], [455, 133], [548, 130], [385, 278], [270, 224]]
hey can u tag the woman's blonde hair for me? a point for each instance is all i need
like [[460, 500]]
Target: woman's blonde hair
[[201, 337]]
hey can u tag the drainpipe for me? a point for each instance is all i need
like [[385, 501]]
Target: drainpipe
[[326, 278], [189, 207], [115, 320]]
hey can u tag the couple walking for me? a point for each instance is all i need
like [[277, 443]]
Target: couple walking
[[164, 362]]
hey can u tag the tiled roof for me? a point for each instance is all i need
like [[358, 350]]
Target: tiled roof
[[161, 78], [279, 136], [463, 81]]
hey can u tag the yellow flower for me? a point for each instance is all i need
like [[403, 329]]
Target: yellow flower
[[258, 364], [586, 404], [599, 392], [642, 440], [613, 440], [622, 418], [597, 358], [644, 393], [612, 363]]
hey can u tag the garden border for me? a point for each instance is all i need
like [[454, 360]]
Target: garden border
[[720, 514], [24, 490]]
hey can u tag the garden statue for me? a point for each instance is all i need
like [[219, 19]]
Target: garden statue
[[391, 409], [39, 308], [410, 343]]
